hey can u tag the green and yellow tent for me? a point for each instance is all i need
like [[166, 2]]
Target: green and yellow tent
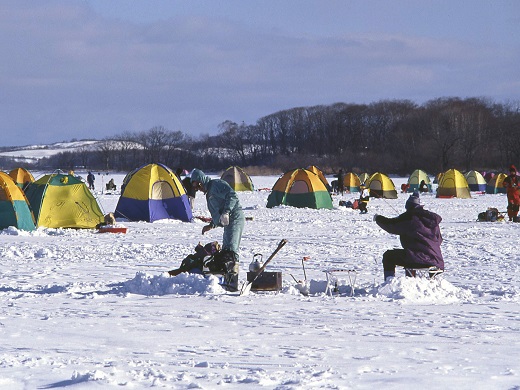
[[381, 186], [453, 184], [63, 201], [319, 172], [351, 182], [415, 180], [238, 179], [363, 178], [300, 188], [14, 208]]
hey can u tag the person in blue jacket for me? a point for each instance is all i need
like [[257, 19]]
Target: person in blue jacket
[[420, 236], [225, 209]]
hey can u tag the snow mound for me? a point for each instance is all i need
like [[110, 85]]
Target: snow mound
[[421, 290], [96, 375], [164, 284]]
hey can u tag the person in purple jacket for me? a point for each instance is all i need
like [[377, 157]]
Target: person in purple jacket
[[420, 236]]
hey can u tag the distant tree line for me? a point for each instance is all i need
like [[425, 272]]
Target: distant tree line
[[392, 136]]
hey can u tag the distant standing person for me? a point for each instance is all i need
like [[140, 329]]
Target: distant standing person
[[190, 191], [341, 182], [364, 198], [513, 194], [90, 180]]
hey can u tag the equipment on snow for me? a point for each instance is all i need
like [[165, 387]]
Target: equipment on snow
[[303, 285], [195, 262], [490, 215], [247, 286], [266, 281], [257, 263]]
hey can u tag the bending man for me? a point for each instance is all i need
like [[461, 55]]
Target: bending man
[[226, 211]]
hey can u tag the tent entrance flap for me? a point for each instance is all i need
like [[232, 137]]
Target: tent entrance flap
[[162, 190], [299, 187]]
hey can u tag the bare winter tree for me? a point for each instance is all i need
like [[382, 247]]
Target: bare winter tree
[[128, 151], [389, 136], [153, 142], [106, 149], [444, 129], [234, 137]]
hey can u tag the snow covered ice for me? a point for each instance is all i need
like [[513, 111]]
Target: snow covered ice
[[86, 310]]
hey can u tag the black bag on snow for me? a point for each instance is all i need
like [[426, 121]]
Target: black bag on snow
[[224, 262], [195, 262], [490, 215]]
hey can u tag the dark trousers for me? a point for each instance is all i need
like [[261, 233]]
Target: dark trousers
[[393, 257], [512, 210]]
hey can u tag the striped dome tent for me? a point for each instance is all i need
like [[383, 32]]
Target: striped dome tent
[[153, 192], [300, 188]]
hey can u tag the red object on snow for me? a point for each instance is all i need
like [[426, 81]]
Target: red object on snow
[[112, 229]]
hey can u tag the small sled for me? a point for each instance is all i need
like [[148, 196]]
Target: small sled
[[112, 229]]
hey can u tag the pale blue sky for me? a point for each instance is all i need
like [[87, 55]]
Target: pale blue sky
[[96, 68]]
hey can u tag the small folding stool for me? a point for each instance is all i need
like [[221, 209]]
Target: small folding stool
[[332, 279]]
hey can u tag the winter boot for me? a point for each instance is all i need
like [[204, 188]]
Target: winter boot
[[388, 274]]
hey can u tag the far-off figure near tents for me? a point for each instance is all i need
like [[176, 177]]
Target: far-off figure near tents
[[90, 180], [513, 194]]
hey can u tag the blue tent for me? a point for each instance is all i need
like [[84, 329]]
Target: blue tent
[[153, 192]]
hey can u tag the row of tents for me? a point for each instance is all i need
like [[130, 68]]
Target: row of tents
[[149, 193], [54, 201], [309, 188], [153, 192]]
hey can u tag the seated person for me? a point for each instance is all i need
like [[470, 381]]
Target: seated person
[[111, 186], [420, 236]]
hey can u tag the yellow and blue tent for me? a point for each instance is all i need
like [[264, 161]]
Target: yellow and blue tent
[[496, 184], [153, 192], [63, 201], [381, 186], [453, 184], [300, 188], [14, 208], [415, 180], [238, 179], [476, 181]]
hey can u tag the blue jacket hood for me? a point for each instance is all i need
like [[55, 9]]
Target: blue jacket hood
[[198, 175]]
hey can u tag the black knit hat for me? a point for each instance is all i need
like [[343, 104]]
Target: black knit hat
[[413, 201]]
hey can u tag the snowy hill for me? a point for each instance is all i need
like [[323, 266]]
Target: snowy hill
[[33, 153]]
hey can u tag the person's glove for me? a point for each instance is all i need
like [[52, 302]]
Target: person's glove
[[224, 219], [375, 216]]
